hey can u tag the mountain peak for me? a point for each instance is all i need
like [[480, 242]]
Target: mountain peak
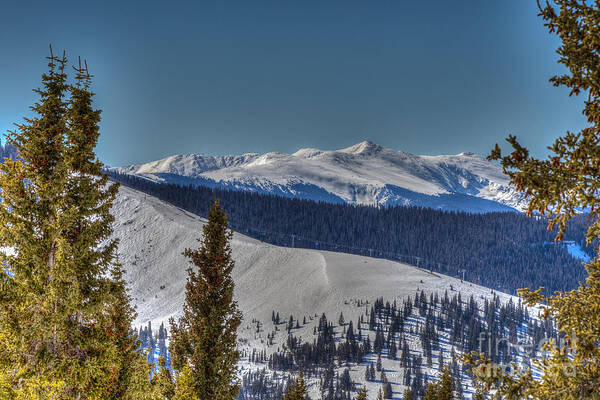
[[365, 147], [365, 173]]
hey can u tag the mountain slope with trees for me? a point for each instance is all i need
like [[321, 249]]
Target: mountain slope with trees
[[505, 251], [313, 309]]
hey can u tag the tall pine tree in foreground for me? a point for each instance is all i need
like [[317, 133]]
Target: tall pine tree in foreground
[[64, 314], [203, 342], [89, 198], [559, 186]]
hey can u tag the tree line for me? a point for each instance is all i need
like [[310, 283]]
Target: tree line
[[504, 251]]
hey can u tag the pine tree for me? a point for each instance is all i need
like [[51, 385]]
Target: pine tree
[[185, 388], [298, 390], [408, 394], [442, 389], [31, 186], [163, 382], [129, 379], [362, 394], [204, 339], [445, 386], [559, 187], [63, 308], [387, 390], [431, 392]]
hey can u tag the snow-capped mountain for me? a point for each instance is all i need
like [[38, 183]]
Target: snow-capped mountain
[[365, 173]]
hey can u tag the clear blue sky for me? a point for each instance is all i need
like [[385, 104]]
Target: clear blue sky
[[227, 77]]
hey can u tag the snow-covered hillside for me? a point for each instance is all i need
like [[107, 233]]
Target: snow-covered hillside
[[299, 282], [365, 173], [153, 235]]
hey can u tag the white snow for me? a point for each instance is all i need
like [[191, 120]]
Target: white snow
[[365, 173], [576, 251], [291, 281], [153, 235]]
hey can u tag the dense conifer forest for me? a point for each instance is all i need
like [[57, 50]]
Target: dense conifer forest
[[504, 251]]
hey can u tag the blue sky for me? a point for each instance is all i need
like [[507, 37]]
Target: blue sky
[[255, 76]]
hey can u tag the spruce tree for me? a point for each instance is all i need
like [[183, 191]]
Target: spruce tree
[[442, 389], [31, 190], [431, 392], [362, 394], [163, 382], [387, 390], [445, 386], [64, 314], [559, 187], [204, 339], [186, 385], [296, 391]]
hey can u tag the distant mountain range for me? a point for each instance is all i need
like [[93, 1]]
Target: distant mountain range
[[365, 173]]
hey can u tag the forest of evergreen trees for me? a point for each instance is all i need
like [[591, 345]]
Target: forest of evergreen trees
[[504, 251], [422, 333]]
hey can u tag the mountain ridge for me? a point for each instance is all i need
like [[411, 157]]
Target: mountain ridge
[[365, 173]]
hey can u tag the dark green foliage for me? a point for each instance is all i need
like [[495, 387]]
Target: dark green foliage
[[504, 251], [204, 339], [297, 391], [442, 389], [65, 317]]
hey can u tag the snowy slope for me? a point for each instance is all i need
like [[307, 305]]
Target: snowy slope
[[365, 173], [153, 235], [299, 282]]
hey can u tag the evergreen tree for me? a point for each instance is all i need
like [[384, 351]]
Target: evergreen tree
[[408, 394], [392, 350], [64, 314], [387, 390], [443, 389], [362, 394], [559, 187], [185, 388], [431, 392], [163, 382], [445, 386], [372, 373], [298, 390], [204, 339], [129, 367]]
